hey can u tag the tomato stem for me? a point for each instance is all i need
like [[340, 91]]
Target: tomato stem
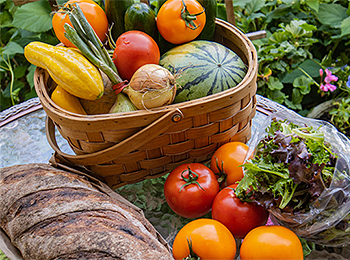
[[192, 178], [188, 17], [222, 176], [192, 255]]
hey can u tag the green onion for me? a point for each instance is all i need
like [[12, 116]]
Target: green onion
[[82, 35]]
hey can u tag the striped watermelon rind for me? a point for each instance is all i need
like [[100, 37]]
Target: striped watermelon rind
[[203, 68]]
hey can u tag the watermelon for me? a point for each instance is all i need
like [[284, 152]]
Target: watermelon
[[203, 68]]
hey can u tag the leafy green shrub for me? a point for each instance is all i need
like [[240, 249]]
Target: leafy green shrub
[[19, 26], [303, 36]]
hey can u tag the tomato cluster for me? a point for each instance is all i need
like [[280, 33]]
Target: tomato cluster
[[193, 189]]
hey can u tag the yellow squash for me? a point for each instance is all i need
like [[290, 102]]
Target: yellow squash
[[68, 68], [67, 101]]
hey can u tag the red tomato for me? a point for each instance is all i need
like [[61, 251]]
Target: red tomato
[[171, 21], [227, 159], [190, 190], [94, 15], [133, 50], [238, 216], [271, 242], [209, 238]]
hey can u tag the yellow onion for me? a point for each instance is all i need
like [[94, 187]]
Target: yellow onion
[[151, 86]]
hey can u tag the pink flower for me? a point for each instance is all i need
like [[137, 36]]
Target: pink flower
[[329, 78], [321, 72], [327, 87]]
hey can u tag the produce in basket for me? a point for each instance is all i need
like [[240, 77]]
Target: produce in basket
[[134, 49], [141, 17], [68, 68], [122, 104], [180, 21], [203, 68], [210, 7], [301, 173], [151, 86], [208, 31], [104, 104], [54, 214], [94, 14], [67, 101], [115, 11]]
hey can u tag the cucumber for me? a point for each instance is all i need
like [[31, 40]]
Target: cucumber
[[210, 14], [140, 16], [115, 11], [164, 45]]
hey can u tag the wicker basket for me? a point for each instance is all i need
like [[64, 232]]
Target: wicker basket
[[130, 147]]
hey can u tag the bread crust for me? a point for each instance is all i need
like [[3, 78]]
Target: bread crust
[[54, 214]]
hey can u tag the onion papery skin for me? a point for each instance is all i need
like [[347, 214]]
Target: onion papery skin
[[151, 86]]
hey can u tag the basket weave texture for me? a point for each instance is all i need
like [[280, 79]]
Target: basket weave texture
[[130, 147]]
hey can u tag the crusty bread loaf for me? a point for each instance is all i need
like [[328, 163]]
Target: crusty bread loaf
[[54, 214]]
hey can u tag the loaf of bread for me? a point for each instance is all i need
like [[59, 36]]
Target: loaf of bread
[[55, 214]]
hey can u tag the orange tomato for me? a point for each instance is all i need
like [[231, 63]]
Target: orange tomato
[[210, 240], [172, 25], [271, 242], [227, 159], [93, 13]]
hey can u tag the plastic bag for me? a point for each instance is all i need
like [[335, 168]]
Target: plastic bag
[[328, 221]]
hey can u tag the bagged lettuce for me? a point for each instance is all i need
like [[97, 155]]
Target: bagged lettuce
[[299, 169]]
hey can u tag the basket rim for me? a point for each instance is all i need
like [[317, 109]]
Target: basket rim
[[52, 108]]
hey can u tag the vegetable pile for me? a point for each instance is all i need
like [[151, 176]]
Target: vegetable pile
[[297, 172], [218, 218], [120, 47]]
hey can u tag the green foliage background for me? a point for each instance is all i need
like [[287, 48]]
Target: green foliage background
[[20, 25]]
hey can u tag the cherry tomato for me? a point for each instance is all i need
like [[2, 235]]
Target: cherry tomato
[[238, 216], [133, 50], [209, 239], [271, 242], [190, 190], [227, 159], [172, 20], [93, 13]]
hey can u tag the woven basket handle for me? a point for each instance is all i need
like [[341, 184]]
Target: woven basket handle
[[122, 148]]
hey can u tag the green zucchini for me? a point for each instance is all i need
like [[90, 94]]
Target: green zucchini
[[164, 45], [140, 16], [115, 11], [210, 14]]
